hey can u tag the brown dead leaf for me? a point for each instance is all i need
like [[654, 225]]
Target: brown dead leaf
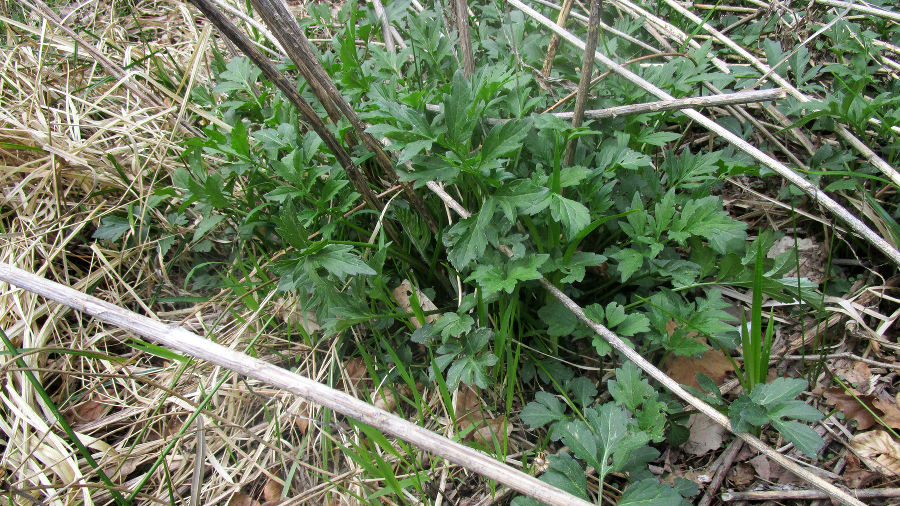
[[356, 372], [741, 475], [403, 295], [272, 491], [854, 410], [470, 412], [88, 411], [855, 372], [878, 450], [810, 257], [856, 474], [762, 466], [713, 363], [290, 310], [705, 435], [242, 499]]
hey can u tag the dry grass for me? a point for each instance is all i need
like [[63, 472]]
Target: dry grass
[[77, 144]]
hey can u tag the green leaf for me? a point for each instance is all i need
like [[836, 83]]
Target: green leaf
[[583, 443], [705, 218], [560, 321], [239, 140], [780, 390], [566, 474], [629, 389], [573, 215], [545, 408], [583, 390], [469, 238], [803, 436], [610, 423], [746, 414], [522, 195], [629, 262], [503, 139], [340, 261], [453, 324], [658, 138], [650, 492], [797, 410], [206, 224], [574, 267], [112, 228]]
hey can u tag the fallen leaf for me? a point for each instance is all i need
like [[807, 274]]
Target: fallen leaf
[[854, 409], [762, 466], [855, 372], [810, 257], [470, 412], [403, 295], [88, 411], [272, 491], [242, 499], [856, 475], [878, 450], [705, 435], [356, 372], [713, 363], [288, 308], [741, 475]]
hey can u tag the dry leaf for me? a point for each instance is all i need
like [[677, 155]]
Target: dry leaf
[[272, 491], [809, 257], [741, 475], [705, 435], [878, 450], [763, 467], [403, 293], [88, 412], [855, 372], [854, 410], [856, 475], [356, 372], [288, 308], [470, 412], [242, 499], [713, 363]]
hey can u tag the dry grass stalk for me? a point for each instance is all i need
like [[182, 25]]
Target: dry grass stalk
[[587, 71]]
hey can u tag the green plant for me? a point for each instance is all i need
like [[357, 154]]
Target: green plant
[[772, 403]]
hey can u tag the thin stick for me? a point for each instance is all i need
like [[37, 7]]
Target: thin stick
[[180, 339], [554, 40], [584, 84], [385, 26], [875, 11], [465, 37], [777, 495], [724, 464], [741, 97], [810, 189], [631, 354]]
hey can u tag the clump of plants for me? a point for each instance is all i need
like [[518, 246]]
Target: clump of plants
[[634, 229]]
